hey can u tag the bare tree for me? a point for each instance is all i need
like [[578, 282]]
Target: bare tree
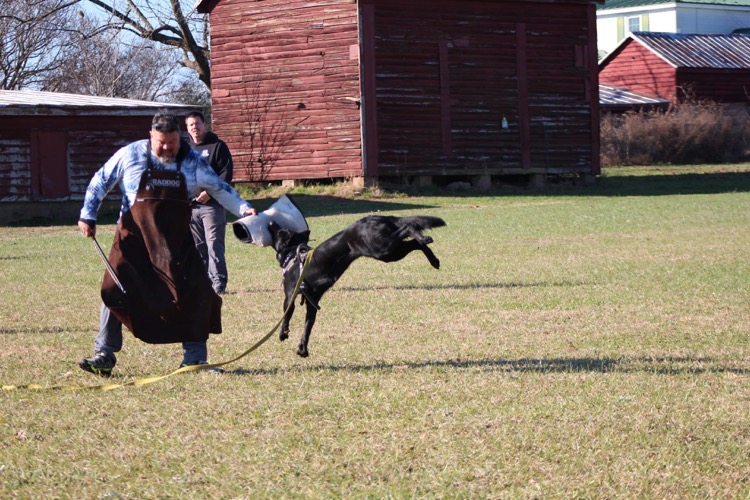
[[108, 66], [164, 22], [189, 90], [31, 44], [265, 130]]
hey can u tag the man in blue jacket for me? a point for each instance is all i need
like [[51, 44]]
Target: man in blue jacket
[[157, 176]]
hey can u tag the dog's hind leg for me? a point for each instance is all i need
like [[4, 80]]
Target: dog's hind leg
[[404, 248], [406, 231], [434, 261], [421, 242]]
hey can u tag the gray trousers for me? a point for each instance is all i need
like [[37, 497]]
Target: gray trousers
[[209, 225], [109, 339]]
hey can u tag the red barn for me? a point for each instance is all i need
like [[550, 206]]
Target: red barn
[[313, 89], [675, 66], [52, 143]]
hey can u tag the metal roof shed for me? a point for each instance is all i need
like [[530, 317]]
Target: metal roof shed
[[675, 66], [52, 143], [619, 99]]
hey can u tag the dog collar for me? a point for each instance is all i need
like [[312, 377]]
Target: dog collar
[[286, 264], [299, 255]]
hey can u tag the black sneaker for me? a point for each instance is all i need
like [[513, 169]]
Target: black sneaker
[[101, 364], [194, 363]]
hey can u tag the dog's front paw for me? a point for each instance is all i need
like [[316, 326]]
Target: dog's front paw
[[302, 351], [283, 335]]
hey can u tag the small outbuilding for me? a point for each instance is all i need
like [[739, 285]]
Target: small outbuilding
[[676, 66], [411, 91], [51, 144], [620, 99]]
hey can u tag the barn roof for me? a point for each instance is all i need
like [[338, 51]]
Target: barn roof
[[32, 102], [206, 6], [621, 98], [691, 50], [624, 4]]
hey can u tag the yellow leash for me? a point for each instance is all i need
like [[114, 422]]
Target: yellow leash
[[193, 368]]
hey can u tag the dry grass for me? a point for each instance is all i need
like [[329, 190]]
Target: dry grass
[[339, 188], [691, 133], [572, 345]]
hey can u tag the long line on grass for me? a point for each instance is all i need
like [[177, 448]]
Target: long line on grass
[[193, 368]]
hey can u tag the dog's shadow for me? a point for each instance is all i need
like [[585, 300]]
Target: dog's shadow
[[461, 286], [667, 365], [444, 286]]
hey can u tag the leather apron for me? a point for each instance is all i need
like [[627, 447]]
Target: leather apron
[[169, 297]]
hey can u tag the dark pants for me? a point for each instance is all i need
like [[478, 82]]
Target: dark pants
[[109, 339], [208, 225]]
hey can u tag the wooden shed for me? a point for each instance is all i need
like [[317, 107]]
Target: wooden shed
[[621, 100], [676, 66], [314, 89], [51, 144]]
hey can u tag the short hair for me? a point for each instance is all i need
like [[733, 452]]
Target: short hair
[[164, 121], [196, 114]]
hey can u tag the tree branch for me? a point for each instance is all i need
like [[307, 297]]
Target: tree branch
[[195, 56]]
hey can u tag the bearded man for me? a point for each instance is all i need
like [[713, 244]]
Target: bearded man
[[163, 294]]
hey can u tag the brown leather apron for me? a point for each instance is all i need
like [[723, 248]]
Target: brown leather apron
[[168, 297]]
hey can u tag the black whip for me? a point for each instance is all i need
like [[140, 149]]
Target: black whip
[[110, 269]]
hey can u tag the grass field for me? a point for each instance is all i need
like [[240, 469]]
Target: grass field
[[582, 342]]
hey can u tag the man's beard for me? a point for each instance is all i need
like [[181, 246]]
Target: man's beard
[[166, 159]]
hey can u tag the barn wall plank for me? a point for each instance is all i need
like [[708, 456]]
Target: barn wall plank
[[286, 89]]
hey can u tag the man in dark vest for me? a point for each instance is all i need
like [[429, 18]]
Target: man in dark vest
[[163, 294], [209, 219]]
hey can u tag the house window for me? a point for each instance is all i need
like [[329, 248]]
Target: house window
[[634, 24]]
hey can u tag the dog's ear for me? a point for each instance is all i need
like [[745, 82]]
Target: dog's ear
[[296, 239], [274, 229]]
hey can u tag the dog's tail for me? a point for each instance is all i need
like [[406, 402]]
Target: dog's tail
[[421, 222]]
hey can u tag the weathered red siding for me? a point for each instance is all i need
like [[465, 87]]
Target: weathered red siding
[[285, 82], [434, 80], [640, 70], [448, 72], [720, 85], [87, 143]]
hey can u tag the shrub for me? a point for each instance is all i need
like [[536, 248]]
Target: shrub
[[688, 133]]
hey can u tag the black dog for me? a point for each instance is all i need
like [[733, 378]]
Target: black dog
[[381, 237]]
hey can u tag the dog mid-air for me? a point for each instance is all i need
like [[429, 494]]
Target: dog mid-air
[[384, 238]]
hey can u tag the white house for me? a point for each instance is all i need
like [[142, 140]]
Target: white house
[[616, 19]]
